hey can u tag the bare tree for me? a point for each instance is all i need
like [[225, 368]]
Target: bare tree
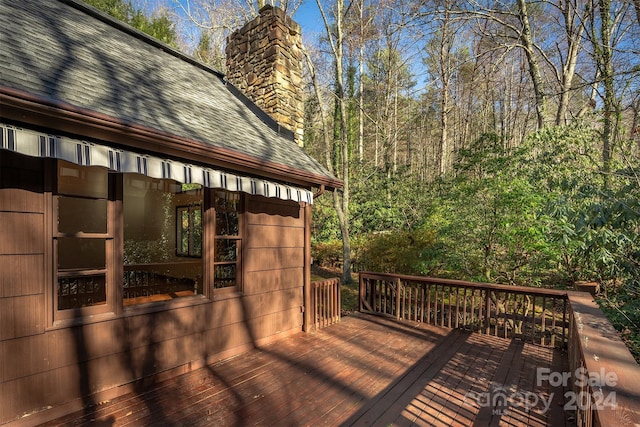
[[515, 30], [575, 15], [207, 23]]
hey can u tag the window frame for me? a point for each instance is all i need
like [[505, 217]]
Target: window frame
[[150, 304], [110, 238], [235, 290], [114, 257]]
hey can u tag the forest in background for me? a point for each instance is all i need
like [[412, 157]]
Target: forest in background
[[480, 140]]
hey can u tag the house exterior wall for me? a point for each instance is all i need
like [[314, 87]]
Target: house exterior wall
[[47, 370]]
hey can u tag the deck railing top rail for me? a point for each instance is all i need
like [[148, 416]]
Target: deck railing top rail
[[463, 283]]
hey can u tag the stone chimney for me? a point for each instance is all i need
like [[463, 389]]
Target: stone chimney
[[264, 61]]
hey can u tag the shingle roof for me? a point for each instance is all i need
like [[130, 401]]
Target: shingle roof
[[58, 51]]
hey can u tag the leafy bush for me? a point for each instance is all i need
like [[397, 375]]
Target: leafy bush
[[623, 310], [541, 215], [327, 254], [404, 252]]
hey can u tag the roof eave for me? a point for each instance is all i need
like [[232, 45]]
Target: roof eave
[[20, 106]]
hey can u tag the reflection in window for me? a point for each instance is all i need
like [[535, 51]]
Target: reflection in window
[[78, 215], [156, 267], [85, 291], [189, 231], [227, 239]]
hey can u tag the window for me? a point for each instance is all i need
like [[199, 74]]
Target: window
[[115, 242], [82, 239], [227, 239], [121, 240], [160, 263]]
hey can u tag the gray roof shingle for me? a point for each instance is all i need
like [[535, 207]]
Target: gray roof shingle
[[55, 50]]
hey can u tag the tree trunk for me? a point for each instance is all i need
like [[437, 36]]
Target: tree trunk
[[574, 31], [340, 145], [361, 87], [606, 73], [445, 76], [342, 206], [341, 198], [526, 39]]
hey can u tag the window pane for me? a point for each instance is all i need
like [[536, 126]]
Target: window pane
[[76, 254], [197, 232], [82, 291], [225, 276], [227, 206], [82, 215], [74, 180], [183, 231], [150, 283], [225, 250], [158, 240], [226, 223]]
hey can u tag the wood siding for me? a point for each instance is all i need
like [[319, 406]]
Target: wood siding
[[47, 370]]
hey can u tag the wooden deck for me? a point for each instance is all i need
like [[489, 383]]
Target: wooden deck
[[364, 370]]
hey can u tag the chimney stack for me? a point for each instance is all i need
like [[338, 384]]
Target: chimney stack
[[264, 61]]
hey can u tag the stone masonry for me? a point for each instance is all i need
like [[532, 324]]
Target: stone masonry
[[264, 61]]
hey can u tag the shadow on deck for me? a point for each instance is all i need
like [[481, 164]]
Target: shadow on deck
[[364, 370]]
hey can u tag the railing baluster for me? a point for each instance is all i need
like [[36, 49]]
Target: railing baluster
[[544, 321], [496, 315], [564, 321], [449, 310], [422, 296], [533, 318], [487, 308], [442, 307], [428, 303], [464, 307], [386, 296], [553, 324], [398, 299], [435, 305], [473, 308], [457, 307], [417, 314], [505, 326]]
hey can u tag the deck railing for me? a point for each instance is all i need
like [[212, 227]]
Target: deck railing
[[531, 314], [604, 378], [604, 375], [325, 302]]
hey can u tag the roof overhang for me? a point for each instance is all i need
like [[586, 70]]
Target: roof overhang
[[23, 107]]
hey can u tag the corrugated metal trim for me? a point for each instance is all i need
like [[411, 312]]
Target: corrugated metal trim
[[38, 144]]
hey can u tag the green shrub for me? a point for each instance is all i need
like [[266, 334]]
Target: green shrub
[[405, 252], [327, 254]]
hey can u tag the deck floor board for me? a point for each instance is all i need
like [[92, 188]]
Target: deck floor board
[[364, 370]]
